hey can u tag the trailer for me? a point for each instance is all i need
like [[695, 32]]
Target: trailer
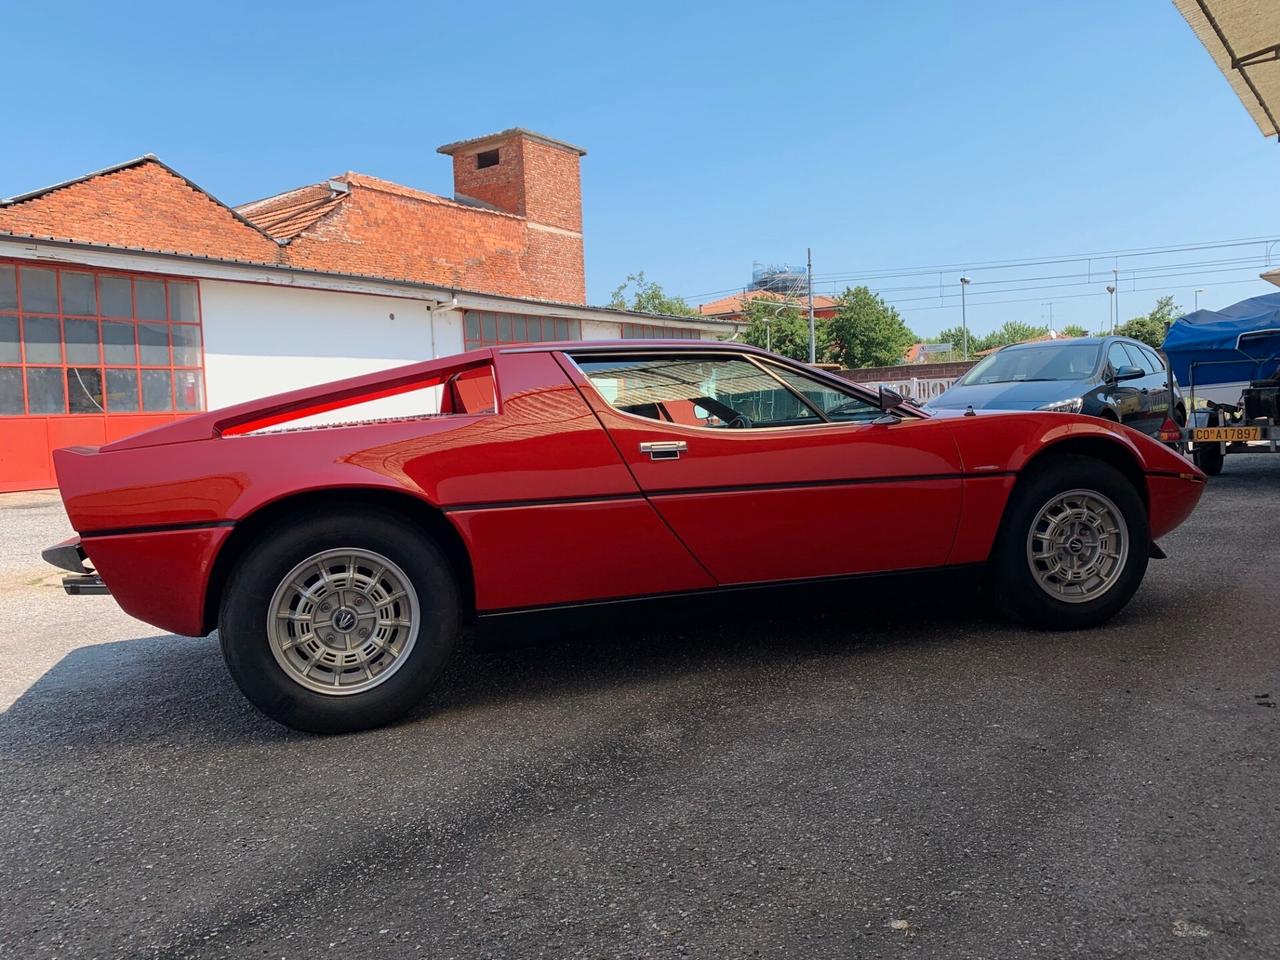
[[1230, 361]]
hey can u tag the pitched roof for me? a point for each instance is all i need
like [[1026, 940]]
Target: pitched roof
[[288, 214], [734, 304], [145, 199]]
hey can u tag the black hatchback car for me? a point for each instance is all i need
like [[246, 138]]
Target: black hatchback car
[[1112, 377]]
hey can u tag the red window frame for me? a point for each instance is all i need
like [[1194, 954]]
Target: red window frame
[[64, 366], [487, 328]]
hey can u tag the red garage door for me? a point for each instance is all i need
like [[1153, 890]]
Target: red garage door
[[88, 356]]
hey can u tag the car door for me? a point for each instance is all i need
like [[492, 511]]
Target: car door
[[1160, 392], [770, 473], [1126, 395]]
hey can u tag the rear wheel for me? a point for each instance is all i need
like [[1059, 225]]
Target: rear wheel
[[1073, 547], [1209, 456], [339, 623]]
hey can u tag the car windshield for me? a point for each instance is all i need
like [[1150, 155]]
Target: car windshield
[[1057, 361]]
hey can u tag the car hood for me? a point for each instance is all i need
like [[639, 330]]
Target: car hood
[[1026, 395]]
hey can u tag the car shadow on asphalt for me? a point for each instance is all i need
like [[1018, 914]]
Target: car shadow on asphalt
[[160, 687]]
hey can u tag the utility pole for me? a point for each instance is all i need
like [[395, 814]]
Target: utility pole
[[813, 336], [1052, 328], [1111, 305], [1116, 320], [1198, 292], [964, 320]]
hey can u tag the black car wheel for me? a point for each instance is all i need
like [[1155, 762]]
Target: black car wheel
[[334, 623], [1073, 545]]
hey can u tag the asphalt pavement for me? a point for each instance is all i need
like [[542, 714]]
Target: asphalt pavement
[[884, 771]]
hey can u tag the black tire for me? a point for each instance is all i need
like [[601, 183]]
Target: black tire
[[248, 595], [1018, 589], [1208, 457]]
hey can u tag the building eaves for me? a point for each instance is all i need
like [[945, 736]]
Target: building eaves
[[279, 267]]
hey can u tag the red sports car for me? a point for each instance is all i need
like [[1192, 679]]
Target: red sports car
[[339, 561]]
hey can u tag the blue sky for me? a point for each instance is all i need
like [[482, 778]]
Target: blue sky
[[882, 135]]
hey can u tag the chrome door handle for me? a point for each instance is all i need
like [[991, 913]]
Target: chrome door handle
[[664, 449]]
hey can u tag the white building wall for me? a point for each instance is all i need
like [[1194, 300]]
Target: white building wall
[[600, 330], [260, 340]]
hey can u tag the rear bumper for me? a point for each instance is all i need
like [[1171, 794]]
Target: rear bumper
[[160, 577]]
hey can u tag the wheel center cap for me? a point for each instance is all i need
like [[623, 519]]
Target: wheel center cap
[[345, 619], [1075, 545]]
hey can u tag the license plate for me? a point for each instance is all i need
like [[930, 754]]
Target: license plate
[[1226, 434]]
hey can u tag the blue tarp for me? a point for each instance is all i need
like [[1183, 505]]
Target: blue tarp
[[1239, 342]]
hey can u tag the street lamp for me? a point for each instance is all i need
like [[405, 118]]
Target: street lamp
[[1111, 303], [964, 322], [1198, 292]]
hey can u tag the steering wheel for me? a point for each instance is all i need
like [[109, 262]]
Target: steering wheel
[[740, 422]]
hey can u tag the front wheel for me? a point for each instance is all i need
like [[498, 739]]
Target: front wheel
[[1073, 547], [338, 623]]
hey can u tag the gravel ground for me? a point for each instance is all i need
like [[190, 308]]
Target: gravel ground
[[872, 772]]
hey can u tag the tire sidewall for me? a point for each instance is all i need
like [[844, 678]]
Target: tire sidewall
[[1018, 590], [243, 621]]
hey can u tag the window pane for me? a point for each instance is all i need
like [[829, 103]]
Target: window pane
[[43, 340], [77, 293], [39, 290], [45, 390], [186, 345], [836, 404], [82, 340], [519, 329], [182, 302], [10, 390], [9, 350], [490, 326], [157, 393], [190, 390], [8, 287], [473, 325], [504, 328], [150, 299], [697, 392], [117, 343], [122, 391], [153, 343], [116, 294], [84, 389]]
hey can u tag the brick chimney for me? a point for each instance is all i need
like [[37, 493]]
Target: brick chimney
[[536, 177]]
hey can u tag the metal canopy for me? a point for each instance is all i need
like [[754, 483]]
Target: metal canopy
[[1243, 37]]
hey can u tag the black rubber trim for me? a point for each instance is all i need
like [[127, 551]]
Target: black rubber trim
[[159, 528], [730, 588], [727, 488]]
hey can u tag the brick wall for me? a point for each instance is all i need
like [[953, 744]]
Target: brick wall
[[140, 206], [906, 371], [533, 249]]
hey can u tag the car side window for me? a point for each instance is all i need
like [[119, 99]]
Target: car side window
[[1118, 357], [1139, 358], [1153, 358], [834, 404], [718, 392]]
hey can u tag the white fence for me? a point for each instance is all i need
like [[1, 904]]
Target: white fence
[[917, 388]]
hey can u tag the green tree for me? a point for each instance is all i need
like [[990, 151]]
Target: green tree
[[1074, 330], [1012, 331], [1150, 328], [781, 327], [647, 296], [866, 332]]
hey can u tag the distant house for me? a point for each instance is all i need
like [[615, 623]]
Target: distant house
[[731, 308]]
